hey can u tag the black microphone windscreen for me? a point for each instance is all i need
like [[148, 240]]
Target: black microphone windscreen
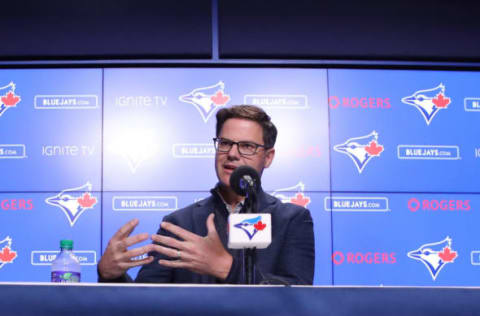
[[237, 179]]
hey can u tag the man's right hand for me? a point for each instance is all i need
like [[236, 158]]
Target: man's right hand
[[117, 259]]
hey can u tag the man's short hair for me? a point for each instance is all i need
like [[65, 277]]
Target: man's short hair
[[252, 113]]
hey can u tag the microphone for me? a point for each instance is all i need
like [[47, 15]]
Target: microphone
[[244, 179], [251, 229]]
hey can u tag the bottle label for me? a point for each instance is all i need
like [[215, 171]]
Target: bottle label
[[65, 277]]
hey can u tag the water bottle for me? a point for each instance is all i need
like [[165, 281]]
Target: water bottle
[[65, 268]]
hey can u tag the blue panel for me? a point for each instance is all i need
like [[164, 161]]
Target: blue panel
[[418, 239], [392, 131], [32, 230], [404, 130], [159, 125], [50, 127]]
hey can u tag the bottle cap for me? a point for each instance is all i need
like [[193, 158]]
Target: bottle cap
[[66, 244]]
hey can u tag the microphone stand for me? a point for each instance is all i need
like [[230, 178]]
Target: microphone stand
[[250, 207]]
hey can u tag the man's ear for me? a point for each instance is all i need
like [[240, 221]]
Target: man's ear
[[269, 157]]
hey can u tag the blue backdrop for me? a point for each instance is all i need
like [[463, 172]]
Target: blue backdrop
[[386, 160]]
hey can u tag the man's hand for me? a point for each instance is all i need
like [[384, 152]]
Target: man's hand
[[203, 255], [117, 259]]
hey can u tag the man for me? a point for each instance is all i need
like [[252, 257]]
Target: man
[[190, 246]]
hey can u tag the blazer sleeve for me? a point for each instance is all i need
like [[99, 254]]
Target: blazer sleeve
[[296, 261]]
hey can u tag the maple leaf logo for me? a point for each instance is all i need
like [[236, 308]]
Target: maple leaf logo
[[434, 256], [447, 255], [7, 255], [259, 225], [207, 99], [220, 98], [287, 195], [374, 149], [73, 201], [361, 149], [440, 101], [251, 226], [87, 201], [300, 199], [10, 99], [428, 101]]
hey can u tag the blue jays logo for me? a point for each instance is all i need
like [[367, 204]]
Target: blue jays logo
[[73, 202], [295, 195], [135, 145], [361, 149], [251, 226], [7, 254], [207, 99], [8, 97], [429, 101], [435, 255]]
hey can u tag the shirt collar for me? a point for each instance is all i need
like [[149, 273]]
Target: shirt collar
[[230, 209], [265, 201]]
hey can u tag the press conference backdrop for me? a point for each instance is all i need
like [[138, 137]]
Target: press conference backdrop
[[387, 161]]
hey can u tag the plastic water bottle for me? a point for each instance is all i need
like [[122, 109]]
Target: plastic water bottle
[[65, 268]]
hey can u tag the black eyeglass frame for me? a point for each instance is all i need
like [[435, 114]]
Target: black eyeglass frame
[[217, 139]]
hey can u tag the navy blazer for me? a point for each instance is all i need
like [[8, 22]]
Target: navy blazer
[[290, 258]]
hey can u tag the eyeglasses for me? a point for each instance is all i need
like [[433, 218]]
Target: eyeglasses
[[224, 145]]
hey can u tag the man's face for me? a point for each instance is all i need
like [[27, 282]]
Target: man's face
[[237, 130]]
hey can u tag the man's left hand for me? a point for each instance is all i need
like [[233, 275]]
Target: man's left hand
[[203, 255]]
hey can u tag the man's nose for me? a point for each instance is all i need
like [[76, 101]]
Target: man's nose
[[233, 152]]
